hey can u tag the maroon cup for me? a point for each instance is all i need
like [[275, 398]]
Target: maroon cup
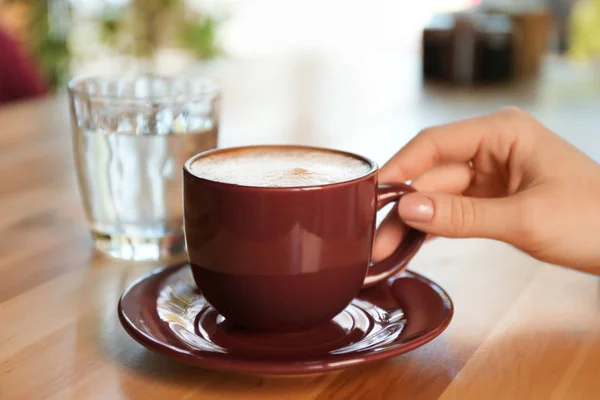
[[287, 258]]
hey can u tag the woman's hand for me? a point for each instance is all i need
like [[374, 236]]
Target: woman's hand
[[501, 176]]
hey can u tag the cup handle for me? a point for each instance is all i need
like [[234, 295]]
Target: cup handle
[[406, 250]]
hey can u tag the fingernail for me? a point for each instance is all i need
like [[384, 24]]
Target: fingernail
[[415, 207]]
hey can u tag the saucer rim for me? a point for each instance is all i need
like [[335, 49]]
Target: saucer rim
[[203, 359]]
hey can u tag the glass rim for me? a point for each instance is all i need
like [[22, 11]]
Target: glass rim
[[76, 87]]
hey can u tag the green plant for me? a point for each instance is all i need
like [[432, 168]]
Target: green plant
[[50, 44], [199, 35], [138, 29], [142, 26]]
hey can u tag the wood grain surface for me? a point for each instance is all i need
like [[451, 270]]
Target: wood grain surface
[[522, 329]]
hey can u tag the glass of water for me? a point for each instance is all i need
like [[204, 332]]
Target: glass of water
[[131, 138]]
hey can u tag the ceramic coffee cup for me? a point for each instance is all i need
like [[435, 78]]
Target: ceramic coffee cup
[[287, 258]]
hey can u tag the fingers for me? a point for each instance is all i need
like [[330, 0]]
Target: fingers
[[388, 235], [460, 216], [451, 178], [457, 142], [438, 162]]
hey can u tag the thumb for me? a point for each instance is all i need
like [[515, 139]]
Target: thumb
[[460, 216]]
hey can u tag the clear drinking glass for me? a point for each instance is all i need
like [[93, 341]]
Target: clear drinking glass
[[131, 138]]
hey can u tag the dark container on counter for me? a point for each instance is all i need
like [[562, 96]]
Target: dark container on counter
[[468, 48]]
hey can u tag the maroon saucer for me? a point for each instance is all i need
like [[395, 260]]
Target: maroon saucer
[[165, 313]]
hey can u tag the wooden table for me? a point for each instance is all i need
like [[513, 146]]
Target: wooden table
[[521, 330]]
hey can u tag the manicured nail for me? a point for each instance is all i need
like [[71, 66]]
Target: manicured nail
[[416, 208]]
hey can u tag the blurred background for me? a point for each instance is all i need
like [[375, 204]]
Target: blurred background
[[329, 71], [72, 37]]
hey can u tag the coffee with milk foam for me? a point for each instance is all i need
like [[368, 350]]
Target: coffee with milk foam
[[279, 167]]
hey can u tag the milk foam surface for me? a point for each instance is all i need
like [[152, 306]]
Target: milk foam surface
[[279, 167]]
